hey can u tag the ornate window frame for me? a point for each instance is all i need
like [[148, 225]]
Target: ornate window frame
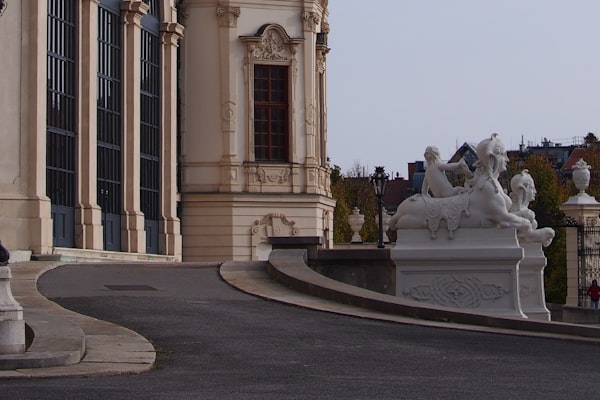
[[271, 45]]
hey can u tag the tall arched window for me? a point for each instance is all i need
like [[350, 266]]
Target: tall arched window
[[61, 118], [150, 125]]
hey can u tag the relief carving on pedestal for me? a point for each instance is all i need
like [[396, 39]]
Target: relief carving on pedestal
[[460, 291], [3, 5]]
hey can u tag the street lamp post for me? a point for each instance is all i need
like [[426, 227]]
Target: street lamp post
[[379, 180]]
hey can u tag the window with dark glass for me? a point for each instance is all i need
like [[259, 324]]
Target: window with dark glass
[[109, 110], [271, 104], [150, 125], [61, 120], [153, 7], [150, 133]]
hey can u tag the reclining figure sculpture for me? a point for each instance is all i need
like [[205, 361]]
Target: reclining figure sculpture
[[481, 203]]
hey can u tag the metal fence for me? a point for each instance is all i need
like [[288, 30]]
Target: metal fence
[[588, 254]]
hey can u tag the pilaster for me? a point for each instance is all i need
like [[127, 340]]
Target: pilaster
[[170, 226], [310, 23], [228, 35], [88, 215], [33, 125], [133, 235]]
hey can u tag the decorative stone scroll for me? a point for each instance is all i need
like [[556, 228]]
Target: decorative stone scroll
[[228, 16], [310, 20], [274, 224], [271, 225], [3, 5], [279, 175], [455, 290]]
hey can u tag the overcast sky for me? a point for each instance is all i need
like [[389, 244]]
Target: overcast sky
[[405, 74]]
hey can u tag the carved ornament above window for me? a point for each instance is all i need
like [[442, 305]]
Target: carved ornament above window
[[272, 44]]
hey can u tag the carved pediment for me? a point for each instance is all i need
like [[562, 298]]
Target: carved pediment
[[271, 43]]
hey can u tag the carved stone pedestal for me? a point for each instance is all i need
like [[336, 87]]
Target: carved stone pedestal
[[12, 325], [531, 282], [476, 271]]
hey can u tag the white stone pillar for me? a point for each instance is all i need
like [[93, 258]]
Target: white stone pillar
[[531, 282], [584, 209], [12, 325]]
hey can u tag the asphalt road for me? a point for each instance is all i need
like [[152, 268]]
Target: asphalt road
[[215, 342]]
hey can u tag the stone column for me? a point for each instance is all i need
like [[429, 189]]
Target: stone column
[[584, 209], [133, 235], [170, 226], [88, 215]]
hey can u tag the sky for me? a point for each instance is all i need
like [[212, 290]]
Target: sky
[[406, 74]]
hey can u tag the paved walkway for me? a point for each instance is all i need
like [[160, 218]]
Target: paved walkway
[[67, 343], [215, 342], [71, 344]]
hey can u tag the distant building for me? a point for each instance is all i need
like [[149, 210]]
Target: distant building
[[555, 153]]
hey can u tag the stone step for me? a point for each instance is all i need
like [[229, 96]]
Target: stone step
[[65, 254]]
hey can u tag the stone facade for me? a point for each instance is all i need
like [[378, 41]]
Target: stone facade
[[224, 189]]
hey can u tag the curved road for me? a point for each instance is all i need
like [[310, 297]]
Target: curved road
[[215, 342]]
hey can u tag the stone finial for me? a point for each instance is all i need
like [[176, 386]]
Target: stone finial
[[356, 221], [581, 175]]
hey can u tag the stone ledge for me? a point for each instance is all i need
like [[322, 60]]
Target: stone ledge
[[289, 268]]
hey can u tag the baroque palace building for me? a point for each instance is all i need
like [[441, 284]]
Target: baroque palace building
[[192, 130]]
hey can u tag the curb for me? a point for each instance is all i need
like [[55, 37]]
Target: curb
[[287, 278], [66, 343]]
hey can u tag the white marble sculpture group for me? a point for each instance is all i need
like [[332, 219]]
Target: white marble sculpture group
[[481, 203], [492, 239]]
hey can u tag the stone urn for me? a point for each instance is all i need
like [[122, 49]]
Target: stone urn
[[356, 221], [385, 224], [581, 175]]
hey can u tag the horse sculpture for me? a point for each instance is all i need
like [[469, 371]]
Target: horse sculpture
[[482, 204]]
